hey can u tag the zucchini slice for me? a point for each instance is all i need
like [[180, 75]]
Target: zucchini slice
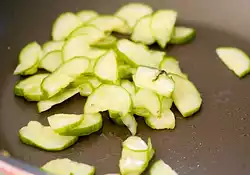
[[108, 42], [86, 15], [135, 143], [125, 71], [51, 61], [51, 46], [129, 121], [86, 89], [182, 35], [161, 168]]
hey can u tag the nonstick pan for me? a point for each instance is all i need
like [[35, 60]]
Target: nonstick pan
[[214, 141]]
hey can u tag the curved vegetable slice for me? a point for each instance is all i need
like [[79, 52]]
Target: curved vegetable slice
[[142, 31], [94, 81], [182, 35], [64, 25], [86, 15], [162, 26], [166, 103], [125, 71], [186, 97], [129, 121], [44, 137], [108, 97], [235, 59], [132, 12], [28, 59], [161, 168], [115, 117], [60, 123], [154, 80], [52, 46], [135, 143], [106, 43], [129, 86], [86, 89], [67, 167], [64, 75], [106, 67], [51, 61]]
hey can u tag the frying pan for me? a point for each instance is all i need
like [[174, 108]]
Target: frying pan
[[214, 141]]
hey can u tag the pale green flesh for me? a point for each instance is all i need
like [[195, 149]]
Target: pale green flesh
[[129, 86], [86, 15], [130, 122], [64, 25], [86, 89], [135, 143], [95, 82], [51, 61], [162, 26], [185, 96], [151, 151], [182, 35], [44, 137], [125, 71], [171, 65], [161, 168], [106, 43], [68, 167], [115, 116], [166, 103], [52, 46], [235, 59]]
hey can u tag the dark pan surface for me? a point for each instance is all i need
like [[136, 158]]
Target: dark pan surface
[[215, 141]]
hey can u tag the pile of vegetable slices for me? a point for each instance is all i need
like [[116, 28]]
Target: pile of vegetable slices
[[121, 76]]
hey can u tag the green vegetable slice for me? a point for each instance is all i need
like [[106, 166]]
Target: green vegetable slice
[[115, 116], [64, 25], [129, 86], [94, 81], [166, 103], [182, 35], [161, 168], [86, 89], [86, 15], [64, 75], [125, 71], [51, 46], [162, 26], [44, 137], [235, 59], [51, 61], [186, 97], [155, 80], [108, 97], [151, 151], [135, 143], [28, 59], [106, 43], [68, 167], [132, 12]]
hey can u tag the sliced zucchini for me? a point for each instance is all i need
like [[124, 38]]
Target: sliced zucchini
[[86, 15], [186, 97], [171, 65], [44, 137], [125, 71], [151, 151], [52, 46], [115, 116], [108, 97], [163, 22], [129, 121], [135, 143], [61, 123], [86, 89], [132, 12], [166, 103], [155, 80], [64, 25], [30, 88], [142, 31], [161, 168], [28, 59], [129, 86], [106, 67], [95, 82], [91, 123], [67, 167], [137, 54], [64, 75], [45, 105], [51, 61], [235, 59], [106, 43], [182, 35]]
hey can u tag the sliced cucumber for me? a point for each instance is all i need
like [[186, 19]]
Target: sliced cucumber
[[28, 59], [44, 137], [182, 35], [130, 122], [166, 103], [151, 151], [52, 46], [94, 81], [86, 89], [125, 71], [68, 167], [129, 86], [30, 87], [51, 61], [171, 65], [235, 59], [135, 143], [91, 123], [64, 25], [163, 22], [132, 12], [161, 168], [109, 97], [155, 80], [45, 105], [142, 31], [86, 15], [186, 97], [106, 43], [138, 54], [64, 75], [61, 123], [115, 116]]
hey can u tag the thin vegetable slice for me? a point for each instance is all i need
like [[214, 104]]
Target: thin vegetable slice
[[166, 103], [86, 89], [154, 80], [132, 12], [186, 97], [151, 151], [125, 71], [135, 143], [129, 121], [51, 61], [235, 59], [94, 81], [182, 35], [86, 15], [64, 75], [28, 59], [52, 46], [115, 116], [163, 22], [108, 97], [161, 168], [129, 86], [68, 167], [106, 43], [64, 25], [44, 137], [60, 123]]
